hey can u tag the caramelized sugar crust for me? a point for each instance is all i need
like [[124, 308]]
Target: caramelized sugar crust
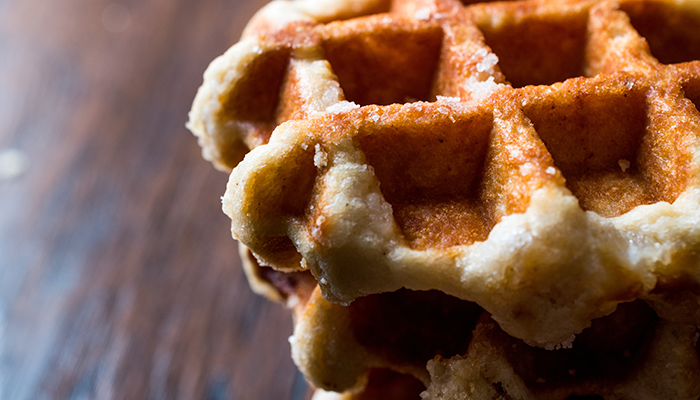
[[432, 180], [538, 48], [594, 138], [670, 32], [370, 59]]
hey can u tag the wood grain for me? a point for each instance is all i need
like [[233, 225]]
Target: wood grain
[[118, 275]]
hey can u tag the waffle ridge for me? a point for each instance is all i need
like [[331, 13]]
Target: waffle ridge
[[538, 158]]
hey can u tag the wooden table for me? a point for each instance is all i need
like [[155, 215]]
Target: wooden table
[[118, 275]]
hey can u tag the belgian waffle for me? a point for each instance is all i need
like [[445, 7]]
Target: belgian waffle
[[378, 347], [535, 162]]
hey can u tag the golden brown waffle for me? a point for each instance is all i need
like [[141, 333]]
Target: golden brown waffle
[[240, 103], [538, 161], [629, 354], [378, 347]]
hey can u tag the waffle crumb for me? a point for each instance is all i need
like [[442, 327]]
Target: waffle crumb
[[624, 165]]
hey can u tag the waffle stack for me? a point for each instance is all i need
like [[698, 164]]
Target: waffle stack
[[470, 201]]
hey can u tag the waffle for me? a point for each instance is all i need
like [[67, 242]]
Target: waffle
[[398, 345], [535, 162]]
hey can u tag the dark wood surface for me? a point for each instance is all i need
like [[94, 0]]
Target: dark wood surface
[[118, 275]]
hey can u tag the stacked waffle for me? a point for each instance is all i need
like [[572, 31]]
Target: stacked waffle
[[472, 201]]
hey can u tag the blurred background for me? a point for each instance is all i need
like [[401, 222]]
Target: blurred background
[[118, 275]]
